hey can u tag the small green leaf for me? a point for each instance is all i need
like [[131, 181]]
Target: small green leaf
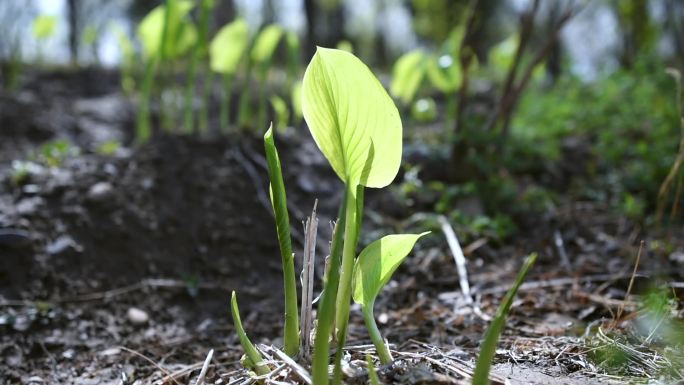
[[407, 74], [352, 118], [228, 47], [377, 262], [266, 43], [181, 34], [488, 347], [501, 55], [44, 26]]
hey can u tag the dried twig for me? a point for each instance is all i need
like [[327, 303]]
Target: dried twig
[[558, 240], [296, 368], [308, 263], [631, 283], [456, 251], [203, 372]]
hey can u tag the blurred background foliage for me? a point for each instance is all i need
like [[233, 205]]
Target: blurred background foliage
[[516, 103]]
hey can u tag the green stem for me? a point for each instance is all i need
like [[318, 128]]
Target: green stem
[[326, 310], [189, 92], [376, 337], [204, 107], [262, 98], [225, 105], [346, 272], [450, 110], [143, 129]]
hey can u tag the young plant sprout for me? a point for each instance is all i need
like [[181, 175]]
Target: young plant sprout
[[43, 28], [165, 34], [261, 57], [199, 53], [225, 53], [254, 359], [357, 127], [488, 347], [279, 203]]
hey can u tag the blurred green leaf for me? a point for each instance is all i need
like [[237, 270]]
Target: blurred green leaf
[[181, 33], [407, 75], [266, 43], [44, 26], [228, 47]]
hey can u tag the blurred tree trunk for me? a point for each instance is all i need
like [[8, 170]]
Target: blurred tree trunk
[[73, 16], [638, 32], [324, 24], [224, 13]]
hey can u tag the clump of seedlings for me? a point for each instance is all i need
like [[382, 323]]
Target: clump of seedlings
[[357, 127]]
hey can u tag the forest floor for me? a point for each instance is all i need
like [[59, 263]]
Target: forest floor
[[116, 268]]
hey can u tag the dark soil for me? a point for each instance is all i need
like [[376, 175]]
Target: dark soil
[[116, 269]]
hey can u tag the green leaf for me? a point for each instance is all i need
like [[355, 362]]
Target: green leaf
[[488, 347], [181, 34], [228, 47], [407, 74], [352, 118], [255, 359], [44, 26], [266, 43], [377, 262]]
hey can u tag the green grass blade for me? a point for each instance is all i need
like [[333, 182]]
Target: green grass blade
[[279, 203], [491, 338], [252, 353], [143, 128], [327, 310]]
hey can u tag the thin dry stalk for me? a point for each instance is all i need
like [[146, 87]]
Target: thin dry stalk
[[666, 186], [560, 246], [308, 263], [459, 258], [631, 283], [297, 369], [203, 372]]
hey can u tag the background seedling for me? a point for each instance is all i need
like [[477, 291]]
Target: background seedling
[[226, 52], [491, 338]]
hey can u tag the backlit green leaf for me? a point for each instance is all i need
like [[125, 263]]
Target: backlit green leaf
[[352, 118], [181, 33], [228, 47], [377, 262], [407, 74], [266, 43], [44, 26]]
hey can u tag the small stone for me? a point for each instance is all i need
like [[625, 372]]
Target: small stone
[[29, 206], [100, 191], [62, 244], [137, 316]]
